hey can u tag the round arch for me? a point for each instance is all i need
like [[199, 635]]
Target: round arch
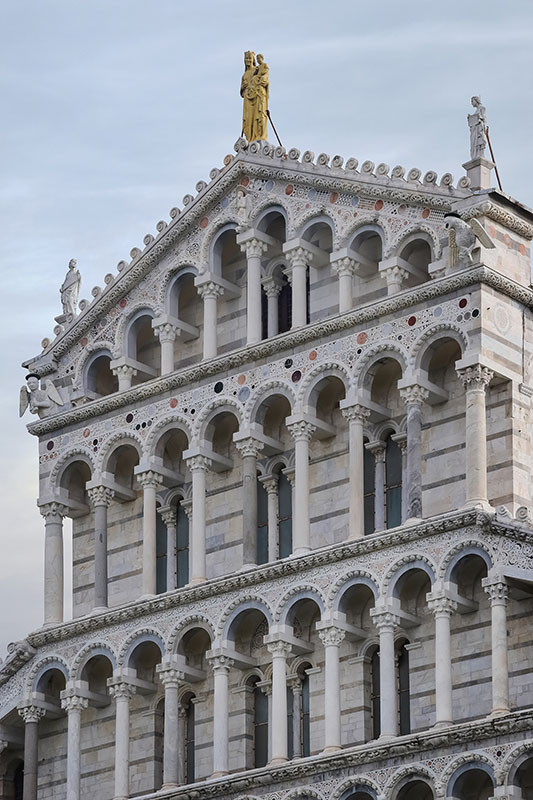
[[470, 547], [168, 423], [406, 564], [247, 603], [92, 649], [346, 582], [331, 369], [53, 662], [186, 625], [388, 350], [66, 460], [266, 390], [293, 596], [114, 442], [421, 350], [220, 405], [140, 637]]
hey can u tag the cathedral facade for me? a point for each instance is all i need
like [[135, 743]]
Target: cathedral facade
[[293, 436]]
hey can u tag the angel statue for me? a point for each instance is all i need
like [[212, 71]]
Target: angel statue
[[477, 123], [463, 237], [41, 401], [70, 289]]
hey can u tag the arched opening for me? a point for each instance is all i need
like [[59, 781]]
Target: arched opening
[[12, 780], [299, 712], [121, 464], [416, 254], [51, 684], [358, 794], [188, 704], [321, 302], [172, 525], [99, 379], [473, 783], [226, 255], [143, 348], [523, 778], [415, 790], [393, 482], [96, 672], [144, 659], [73, 488], [258, 700]]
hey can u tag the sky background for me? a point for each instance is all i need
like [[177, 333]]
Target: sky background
[[112, 110]]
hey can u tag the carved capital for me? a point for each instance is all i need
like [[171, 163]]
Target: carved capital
[[187, 507], [170, 677], [198, 463], [167, 514], [210, 289], [249, 447], [31, 713], [441, 605], [476, 377], [394, 275], [272, 286], [344, 266], [385, 619], [301, 431], [254, 248], [120, 690], [377, 449], [100, 495], [221, 663], [270, 484], [3, 745], [414, 395], [279, 649], [356, 413], [332, 637], [124, 371], [166, 332], [299, 257], [497, 590], [53, 512], [72, 702], [149, 479]]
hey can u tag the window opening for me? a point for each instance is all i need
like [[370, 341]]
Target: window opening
[[182, 547], [262, 524], [369, 499], [285, 516], [393, 483]]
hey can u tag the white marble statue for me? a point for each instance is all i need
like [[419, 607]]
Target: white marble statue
[[463, 237], [477, 122], [70, 289], [41, 401]]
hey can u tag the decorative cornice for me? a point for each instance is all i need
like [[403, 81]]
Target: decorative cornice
[[499, 214], [276, 344], [297, 565]]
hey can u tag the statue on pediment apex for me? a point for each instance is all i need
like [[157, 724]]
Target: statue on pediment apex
[[70, 289], [477, 122], [254, 91]]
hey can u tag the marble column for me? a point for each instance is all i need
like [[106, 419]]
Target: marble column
[[254, 249], [378, 450], [414, 397], [150, 481], [475, 380], [198, 466], [443, 607], [31, 716], [249, 449], [356, 416], [53, 514], [271, 487], [301, 432], [182, 735], [387, 622], [298, 260], [345, 269], [168, 515], [497, 591], [221, 666], [125, 374], [280, 651], [331, 639], [296, 686], [170, 677], [394, 276], [121, 692], [272, 289], [401, 441], [73, 705], [100, 498], [209, 292], [167, 334]]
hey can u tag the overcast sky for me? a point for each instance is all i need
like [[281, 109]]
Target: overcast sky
[[112, 110]]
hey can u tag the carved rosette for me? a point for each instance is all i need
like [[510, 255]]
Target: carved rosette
[[53, 512], [249, 447], [198, 463], [414, 395], [210, 289], [332, 637], [31, 713], [475, 378], [301, 430], [100, 495]]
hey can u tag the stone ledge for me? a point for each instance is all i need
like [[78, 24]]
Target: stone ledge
[[273, 346]]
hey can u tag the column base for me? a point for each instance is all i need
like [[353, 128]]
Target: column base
[[499, 712], [247, 567], [300, 551], [331, 749], [386, 737], [477, 505], [99, 609], [412, 521], [145, 597], [196, 581], [169, 786], [275, 761], [444, 724], [219, 774]]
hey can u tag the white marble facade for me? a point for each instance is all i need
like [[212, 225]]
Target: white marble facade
[[293, 437]]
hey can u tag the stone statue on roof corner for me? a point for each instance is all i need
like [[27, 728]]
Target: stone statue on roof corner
[[70, 289], [254, 91], [42, 401], [477, 123]]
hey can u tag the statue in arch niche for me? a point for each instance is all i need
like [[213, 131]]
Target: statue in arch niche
[[254, 91]]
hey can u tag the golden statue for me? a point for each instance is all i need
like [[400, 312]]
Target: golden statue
[[254, 91]]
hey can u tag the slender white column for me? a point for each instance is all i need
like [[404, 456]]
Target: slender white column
[[443, 608], [73, 705], [356, 416], [221, 666], [167, 336], [298, 260], [497, 591], [331, 639], [170, 677], [210, 292], [414, 397], [249, 449], [168, 515], [198, 466], [386, 622], [125, 374], [254, 249], [378, 449], [279, 651], [121, 692], [475, 380], [345, 269], [301, 432], [150, 481], [53, 514], [401, 441], [296, 686], [31, 716], [394, 276], [271, 487], [272, 289], [100, 497], [267, 690]]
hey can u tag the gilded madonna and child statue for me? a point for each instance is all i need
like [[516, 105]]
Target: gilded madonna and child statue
[[254, 91]]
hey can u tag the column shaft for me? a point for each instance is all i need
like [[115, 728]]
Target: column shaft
[[121, 693], [31, 716], [73, 705], [198, 466], [272, 314], [167, 355], [497, 592], [249, 509], [387, 622], [442, 608], [271, 487], [301, 432], [210, 323], [299, 294], [253, 312], [149, 482], [296, 721], [332, 638], [279, 651], [379, 490], [476, 380], [356, 416], [100, 556], [414, 396], [221, 667], [170, 677], [53, 562], [171, 556]]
